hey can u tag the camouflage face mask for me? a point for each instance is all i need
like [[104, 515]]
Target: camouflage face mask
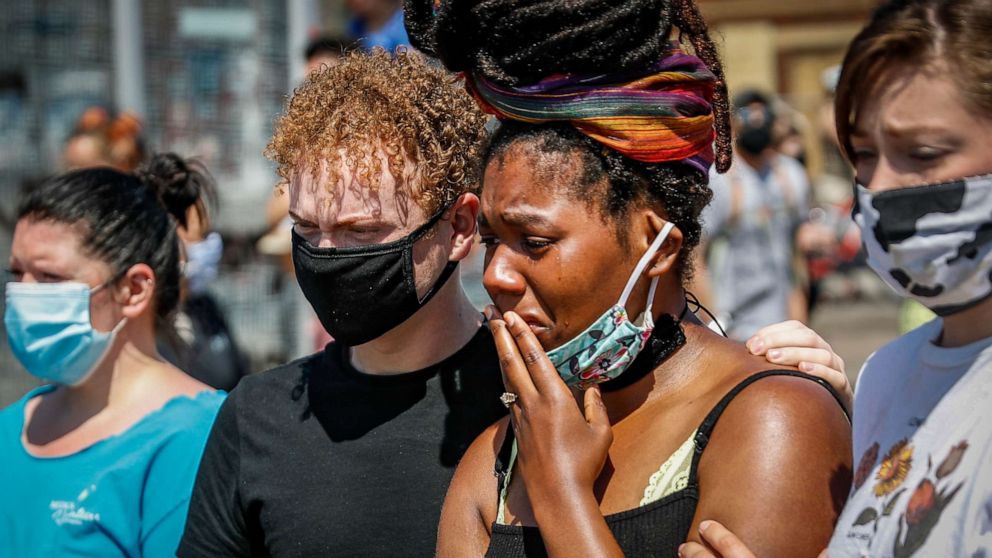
[[932, 243]]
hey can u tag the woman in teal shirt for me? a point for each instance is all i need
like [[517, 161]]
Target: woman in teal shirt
[[101, 461]]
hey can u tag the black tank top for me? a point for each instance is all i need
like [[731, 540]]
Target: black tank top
[[656, 529]]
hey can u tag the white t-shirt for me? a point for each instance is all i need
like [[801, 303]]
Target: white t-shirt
[[922, 452]]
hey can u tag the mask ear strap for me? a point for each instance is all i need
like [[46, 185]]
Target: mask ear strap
[[423, 229], [642, 264], [648, 316], [120, 325], [106, 284]]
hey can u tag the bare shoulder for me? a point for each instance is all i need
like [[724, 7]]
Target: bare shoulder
[[178, 383], [486, 446], [783, 414], [767, 401], [780, 454], [166, 384]]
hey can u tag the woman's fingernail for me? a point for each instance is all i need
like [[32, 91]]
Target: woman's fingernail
[[681, 547], [774, 354], [805, 367], [510, 319], [488, 312], [755, 345], [705, 525]]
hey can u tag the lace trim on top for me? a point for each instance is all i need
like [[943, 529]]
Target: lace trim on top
[[672, 476], [500, 515]]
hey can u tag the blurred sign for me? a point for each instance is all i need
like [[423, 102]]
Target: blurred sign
[[231, 24]]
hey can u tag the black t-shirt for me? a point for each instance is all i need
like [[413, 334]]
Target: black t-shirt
[[315, 458]]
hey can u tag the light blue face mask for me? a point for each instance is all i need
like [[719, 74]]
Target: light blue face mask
[[202, 262], [49, 330], [608, 347]]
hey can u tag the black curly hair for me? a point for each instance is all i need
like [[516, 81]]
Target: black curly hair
[[681, 191], [519, 42]]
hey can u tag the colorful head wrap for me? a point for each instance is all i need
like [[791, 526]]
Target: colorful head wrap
[[663, 113]]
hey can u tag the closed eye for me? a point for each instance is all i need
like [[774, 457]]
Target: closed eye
[[363, 230], [51, 278], [925, 154], [536, 245], [862, 155], [489, 241], [304, 226]]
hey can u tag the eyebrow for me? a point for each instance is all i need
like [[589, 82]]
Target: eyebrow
[[348, 220], [524, 218], [297, 219], [904, 131]]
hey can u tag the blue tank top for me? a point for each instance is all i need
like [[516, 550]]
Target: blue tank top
[[125, 495]]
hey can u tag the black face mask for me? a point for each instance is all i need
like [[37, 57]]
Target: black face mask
[[755, 133], [755, 140], [360, 293]]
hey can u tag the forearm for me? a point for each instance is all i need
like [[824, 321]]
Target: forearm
[[572, 525]]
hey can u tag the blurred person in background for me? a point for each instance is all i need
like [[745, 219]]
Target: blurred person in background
[[830, 240], [833, 186], [100, 139], [200, 342], [748, 262], [377, 23], [792, 143], [914, 116], [325, 50], [101, 460]]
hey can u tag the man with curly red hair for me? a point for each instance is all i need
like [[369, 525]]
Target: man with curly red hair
[[380, 158]]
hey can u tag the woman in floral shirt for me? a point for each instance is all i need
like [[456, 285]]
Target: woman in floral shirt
[[914, 115]]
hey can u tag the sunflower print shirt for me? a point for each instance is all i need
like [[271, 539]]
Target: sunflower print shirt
[[923, 452]]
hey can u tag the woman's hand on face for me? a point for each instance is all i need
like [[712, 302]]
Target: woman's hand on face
[[560, 448], [792, 343], [722, 544]]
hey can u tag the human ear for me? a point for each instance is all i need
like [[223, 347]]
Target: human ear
[[463, 217], [667, 256], [136, 291]]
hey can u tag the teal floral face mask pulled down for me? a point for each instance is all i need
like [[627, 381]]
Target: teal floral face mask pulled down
[[611, 343]]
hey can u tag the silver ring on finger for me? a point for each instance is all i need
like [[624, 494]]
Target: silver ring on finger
[[508, 398]]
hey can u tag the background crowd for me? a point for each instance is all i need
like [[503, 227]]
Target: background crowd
[[206, 80], [662, 346]]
